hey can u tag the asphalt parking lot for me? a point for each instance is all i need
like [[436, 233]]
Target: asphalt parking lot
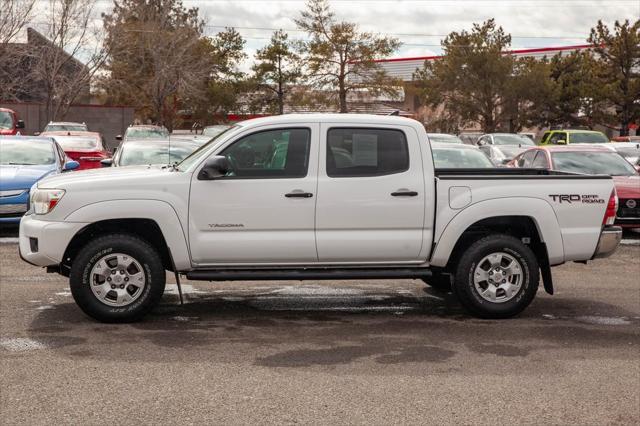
[[376, 352]]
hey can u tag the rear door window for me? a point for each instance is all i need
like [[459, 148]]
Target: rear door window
[[366, 152]]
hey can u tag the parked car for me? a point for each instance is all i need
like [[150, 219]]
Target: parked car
[[626, 139], [151, 152], [470, 138], [87, 148], [500, 155], [234, 211], [144, 131], [65, 126], [24, 160], [505, 139], [564, 137], [530, 135], [443, 138], [630, 151], [459, 156], [592, 160], [9, 123]]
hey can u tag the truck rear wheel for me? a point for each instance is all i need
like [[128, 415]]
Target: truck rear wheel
[[117, 278], [496, 277]]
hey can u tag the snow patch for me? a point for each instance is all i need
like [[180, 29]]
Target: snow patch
[[315, 291], [186, 289], [45, 307], [65, 293], [21, 344], [9, 240], [598, 320], [630, 242]]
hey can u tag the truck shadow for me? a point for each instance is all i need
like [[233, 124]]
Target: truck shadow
[[284, 331]]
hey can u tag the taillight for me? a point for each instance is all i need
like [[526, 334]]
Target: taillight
[[612, 208]]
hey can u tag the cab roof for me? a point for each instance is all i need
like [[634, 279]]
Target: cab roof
[[331, 118]]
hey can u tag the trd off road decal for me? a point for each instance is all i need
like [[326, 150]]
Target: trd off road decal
[[577, 198]]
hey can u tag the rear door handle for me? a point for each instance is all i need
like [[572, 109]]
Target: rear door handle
[[404, 193], [298, 194]]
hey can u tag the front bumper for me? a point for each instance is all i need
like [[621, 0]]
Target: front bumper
[[608, 243], [43, 243]]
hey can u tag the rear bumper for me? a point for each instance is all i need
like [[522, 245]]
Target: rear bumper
[[608, 243]]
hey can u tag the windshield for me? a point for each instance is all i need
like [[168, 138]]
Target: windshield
[[77, 143], [26, 152], [588, 137], [444, 139], [6, 120], [146, 133], [65, 128], [197, 155], [137, 154], [507, 139], [592, 163], [447, 158], [212, 131]]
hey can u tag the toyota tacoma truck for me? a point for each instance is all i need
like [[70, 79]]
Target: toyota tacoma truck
[[311, 197]]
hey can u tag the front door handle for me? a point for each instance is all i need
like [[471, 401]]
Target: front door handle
[[404, 193], [298, 194]]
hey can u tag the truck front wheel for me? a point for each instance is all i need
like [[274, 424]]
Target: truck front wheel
[[117, 278], [496, 277]]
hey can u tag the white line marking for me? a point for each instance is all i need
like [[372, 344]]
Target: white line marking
[[630, 242], [9, 240]]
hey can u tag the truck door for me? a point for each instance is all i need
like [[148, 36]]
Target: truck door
[[263, 211], [371, 194]]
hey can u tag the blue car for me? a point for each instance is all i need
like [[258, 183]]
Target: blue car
[[24, 160]]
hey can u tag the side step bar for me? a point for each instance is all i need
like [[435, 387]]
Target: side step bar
[[306, 274]]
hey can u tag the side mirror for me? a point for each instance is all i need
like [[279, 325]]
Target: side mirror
[[561, 142], [215, 167], [36, 133], [70, 165], [20, 124], [119, 137], [505, 161], [481, 143], [107, 162]]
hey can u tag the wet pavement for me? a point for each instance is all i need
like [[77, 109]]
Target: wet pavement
[[377, 352]]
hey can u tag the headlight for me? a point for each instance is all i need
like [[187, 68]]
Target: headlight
[[45, 200]]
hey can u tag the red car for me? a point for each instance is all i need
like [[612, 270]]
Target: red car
[[9, 123], [87, 148], [594, 160]]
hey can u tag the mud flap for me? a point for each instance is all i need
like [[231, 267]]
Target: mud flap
[[545, 270]]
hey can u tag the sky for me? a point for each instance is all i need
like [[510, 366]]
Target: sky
[[419, 24]]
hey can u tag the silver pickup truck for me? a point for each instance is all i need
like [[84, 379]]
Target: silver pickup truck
[[309, 197]]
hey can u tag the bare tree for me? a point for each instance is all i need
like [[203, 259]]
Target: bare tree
[[66, 55], [159, 58], [14, 15], [340, 58]]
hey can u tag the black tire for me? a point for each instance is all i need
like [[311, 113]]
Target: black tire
[[464, 287], [439, 282], [138, 249]]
